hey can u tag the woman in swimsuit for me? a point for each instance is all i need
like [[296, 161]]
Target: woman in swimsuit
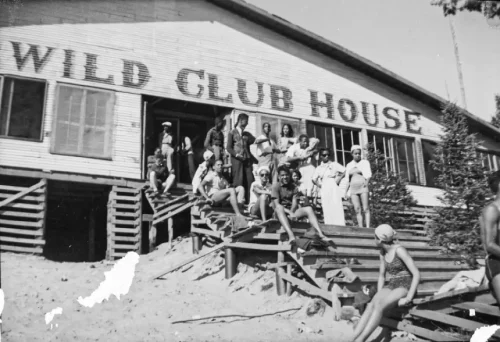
[[401, 286]]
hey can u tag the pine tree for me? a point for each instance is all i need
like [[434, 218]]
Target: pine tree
[[389, 194], [495, 121], [463, 180]]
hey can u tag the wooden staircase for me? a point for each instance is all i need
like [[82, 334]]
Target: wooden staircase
[[351, 242], [22, 217], [165, 208]]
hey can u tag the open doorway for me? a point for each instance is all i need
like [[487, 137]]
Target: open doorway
[[188, 119]]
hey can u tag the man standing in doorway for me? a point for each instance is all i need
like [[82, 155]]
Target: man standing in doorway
[[215, 139], [166, 143], [238, 142], [490, 234]]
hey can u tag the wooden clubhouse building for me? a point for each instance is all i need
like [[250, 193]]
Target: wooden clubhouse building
[[85, 85]]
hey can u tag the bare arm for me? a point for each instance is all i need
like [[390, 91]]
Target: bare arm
[[490, 219], [381, 275], [402, 253], [207, 141]]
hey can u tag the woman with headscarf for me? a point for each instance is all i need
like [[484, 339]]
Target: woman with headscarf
[[402, 282], [327, 178], [242, 160], [359, 173], [266, 150]]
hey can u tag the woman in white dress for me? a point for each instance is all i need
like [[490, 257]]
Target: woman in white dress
[[359, 172], [327, 178]]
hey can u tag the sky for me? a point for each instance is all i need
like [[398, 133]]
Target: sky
[[411, 38]]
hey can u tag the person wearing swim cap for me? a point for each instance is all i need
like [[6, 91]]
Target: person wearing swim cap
[[358, 173], [203, 169], [403, 278]]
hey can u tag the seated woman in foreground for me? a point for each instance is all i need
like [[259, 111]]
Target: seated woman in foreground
[[260, 194], [285, 196], [400, 288]]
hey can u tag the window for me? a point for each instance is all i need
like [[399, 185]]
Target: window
[[276, 125], [83, 125], [428, 148], [340, 140], [21, 108], [399, 153], [490, 161]]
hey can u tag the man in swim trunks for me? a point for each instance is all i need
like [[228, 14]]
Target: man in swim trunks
[[490, 226]]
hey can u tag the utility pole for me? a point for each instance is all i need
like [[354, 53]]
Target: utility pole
[[459, 64]]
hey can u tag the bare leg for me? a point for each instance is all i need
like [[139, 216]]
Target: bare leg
[[495, 285], [311, 216], [153, 181], [390, 300], [240, 194], [227, 194], [357, 208], [170, 223], [360, 325], [283, 219], [264, 204], [366, 207], [168, 183]]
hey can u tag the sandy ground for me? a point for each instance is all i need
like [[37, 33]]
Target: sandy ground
[[34, 286]]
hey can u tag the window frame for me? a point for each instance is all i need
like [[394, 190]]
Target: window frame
[[44, 105], [259, 120], [55, 120], [333, 148], [489, 154], [393, 159]]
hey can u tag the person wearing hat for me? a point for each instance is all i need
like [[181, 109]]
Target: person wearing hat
[[166, 143], [203, 169], [401, 286], [327, 178], [242, 160], [214, 140], [260, 194], [358, 173]]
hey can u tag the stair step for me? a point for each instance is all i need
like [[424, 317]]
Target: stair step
[[421, 266], [421, 255], [485, 309]]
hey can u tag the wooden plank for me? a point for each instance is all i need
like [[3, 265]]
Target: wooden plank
[[206, 232], [21, 223], [130, 247], [29, 206], [258, 246], [9, 248], [420, 265], [450, 294], [175, 200], [125, 206], [133, 215], [147, 217], [22, 193], [27, 198], [158, 214], [31, 232], [125, 230], [173, 213], [486, 309], [18, 188], [21, 240], [125, 238], [126, 198], [21, 214], [422, 255], [126, 222], [458, 322], [127, 190], [199, 256], [305, 286], [418, 331]]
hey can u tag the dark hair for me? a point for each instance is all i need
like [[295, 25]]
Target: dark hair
[[302, 136], [323, 149], [297, 172], [283, 168], [241, 116], [494, 181], [264, 125], [290, 130]]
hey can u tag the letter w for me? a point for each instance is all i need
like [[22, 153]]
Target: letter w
[[33, 51]]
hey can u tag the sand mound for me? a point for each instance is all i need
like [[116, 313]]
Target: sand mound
[[194, 303]]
